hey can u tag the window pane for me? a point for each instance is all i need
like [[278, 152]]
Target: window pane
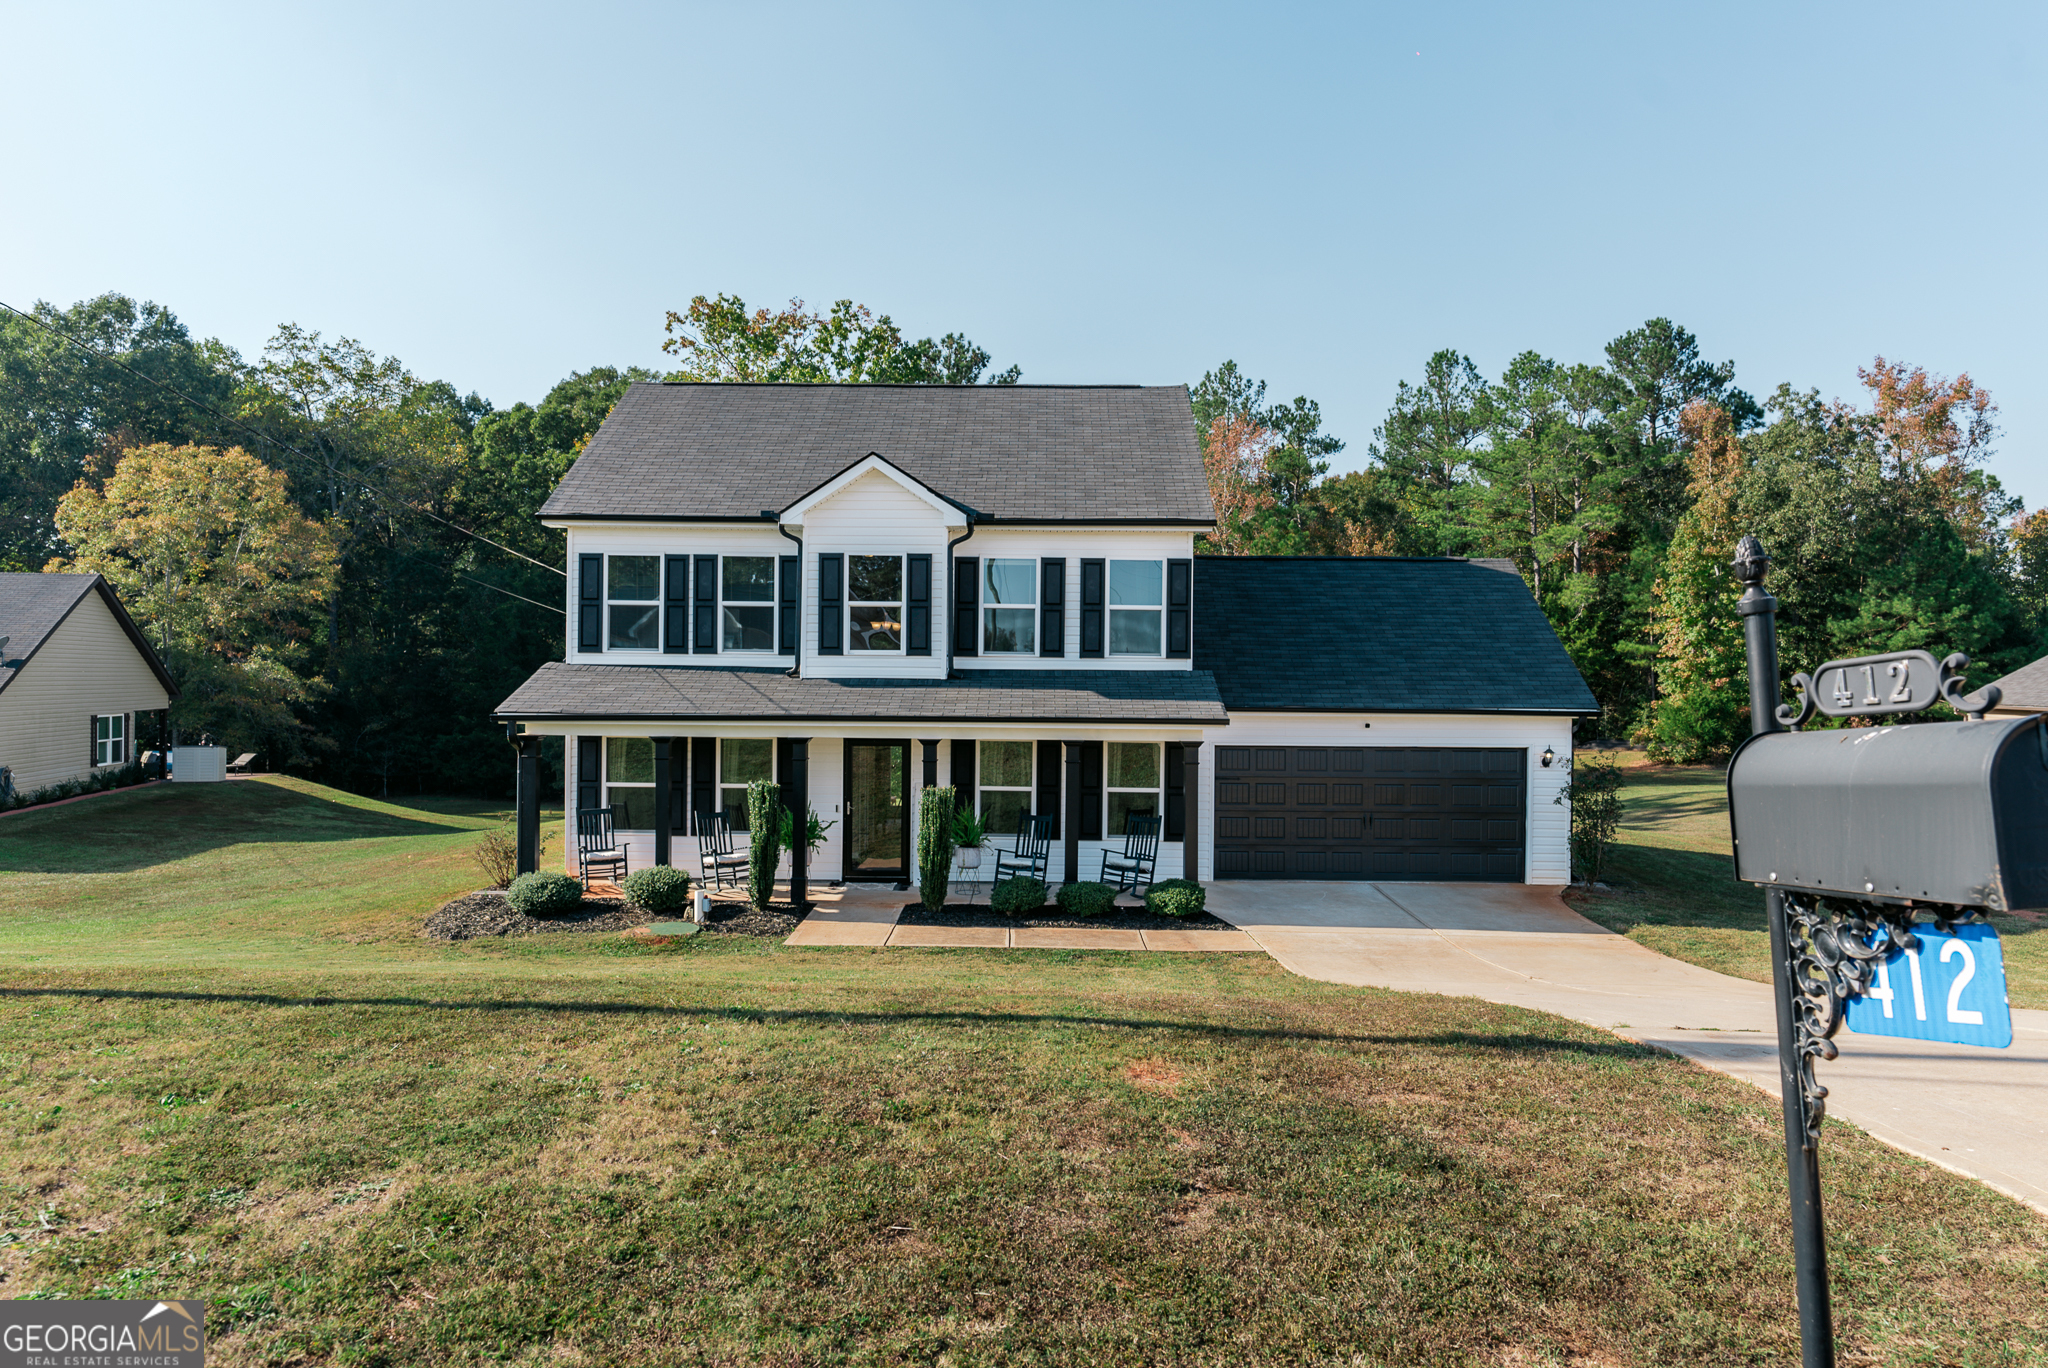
[[1134, 582], [1133, 764], [1011, 581], [632, 577], [628, 760], [874, 629], [750, 579], [749, 629], [1133, 633], [1123, 806], [733, 802], [1006, 764], [1003, 811], [874, 579], [632, 808], [1009, 629], [636, 629], [744, 762]]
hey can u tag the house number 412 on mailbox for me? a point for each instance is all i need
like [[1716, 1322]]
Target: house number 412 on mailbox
[[1950, 986]]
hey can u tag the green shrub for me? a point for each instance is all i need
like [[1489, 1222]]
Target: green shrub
[[764, 840], [544, 894], [1175, 898], [658, 889], [1087, 899], [934, 844], [1017, 897]]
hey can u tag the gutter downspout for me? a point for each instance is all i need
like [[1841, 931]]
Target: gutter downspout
[[796, 671], [972, 518]]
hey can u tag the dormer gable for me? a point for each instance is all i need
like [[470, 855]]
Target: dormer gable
[[950, 512]]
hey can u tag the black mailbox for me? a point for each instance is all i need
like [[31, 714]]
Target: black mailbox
[[1950, 812]]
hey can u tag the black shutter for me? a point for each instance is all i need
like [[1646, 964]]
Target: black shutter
[[590, 603], [703, 776], [1091, 792], [1176, 792], [1180, 601], [917, 607], [966, 605], [675, 622], [787, 619], [679, 785], [963, 774], [1049, 784], [589, 793], [92, 740], [1092, 572], [706, 605], [831, 603], [1052, 608]]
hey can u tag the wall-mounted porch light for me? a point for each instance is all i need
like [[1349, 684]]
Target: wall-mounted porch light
[[1549, 757]]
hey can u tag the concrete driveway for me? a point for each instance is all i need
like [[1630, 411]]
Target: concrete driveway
[[1979, 1112]]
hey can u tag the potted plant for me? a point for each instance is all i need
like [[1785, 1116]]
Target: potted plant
[[970, 836]]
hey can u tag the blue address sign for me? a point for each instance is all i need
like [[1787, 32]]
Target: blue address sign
[[1952, 988]]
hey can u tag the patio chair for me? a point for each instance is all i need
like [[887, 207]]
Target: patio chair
[[241, 763], [1027, 859], [597, 845], [723, 866], [1132, 870]]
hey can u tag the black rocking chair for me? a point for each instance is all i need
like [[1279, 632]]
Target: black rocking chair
[[1027, 859], [597, 845], [723, 867], [1132, 870]]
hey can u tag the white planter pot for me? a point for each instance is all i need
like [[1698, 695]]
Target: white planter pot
[[970, 857]]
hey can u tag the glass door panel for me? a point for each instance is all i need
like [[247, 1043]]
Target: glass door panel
[[877, 820]]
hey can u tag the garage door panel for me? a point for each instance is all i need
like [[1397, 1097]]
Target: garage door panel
[[1414, 813]]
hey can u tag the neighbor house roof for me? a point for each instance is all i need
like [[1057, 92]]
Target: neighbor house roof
[[2025, 689], [33, 606], [1379, 634], [1014, 453], [559, 691]]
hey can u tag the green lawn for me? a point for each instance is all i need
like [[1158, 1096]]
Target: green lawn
[[229, 1067], [1674, 889]]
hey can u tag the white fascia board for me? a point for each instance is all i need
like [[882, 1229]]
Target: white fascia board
[[869, 731], [916, 488]]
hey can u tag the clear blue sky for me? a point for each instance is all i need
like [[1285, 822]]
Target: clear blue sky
[[501, 194]]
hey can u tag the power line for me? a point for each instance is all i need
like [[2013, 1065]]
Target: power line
[[551, 607], [261, 435]]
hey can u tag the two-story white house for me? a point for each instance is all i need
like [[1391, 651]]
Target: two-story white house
[[864, 589]]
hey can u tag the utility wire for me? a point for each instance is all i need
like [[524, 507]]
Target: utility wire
[[261, 435], [551, 607]]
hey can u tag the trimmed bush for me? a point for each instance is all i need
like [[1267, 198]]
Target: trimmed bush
[[934, 844], [658, 889], [1017, 897], [544, 894], [1087, 899], [1175, 898], [764, 840]]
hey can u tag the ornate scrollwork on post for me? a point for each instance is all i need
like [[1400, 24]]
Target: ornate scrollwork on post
[[1795, 718], [1972, 706]]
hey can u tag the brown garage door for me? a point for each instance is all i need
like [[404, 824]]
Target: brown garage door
[[1368, 812]]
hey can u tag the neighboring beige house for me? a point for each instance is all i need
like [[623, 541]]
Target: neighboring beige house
[[2023, 691], [74, 675]]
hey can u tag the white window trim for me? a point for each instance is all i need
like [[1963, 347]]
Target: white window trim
[[719, 785], [770, 603], [605, 787], [1111, 609], [610, 602], [1028, 788], [114, 746], [1032, 607], [1157, 792], [900, 604]]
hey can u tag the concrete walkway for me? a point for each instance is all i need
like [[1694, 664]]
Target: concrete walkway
[[1979, 1112], [865, 914]]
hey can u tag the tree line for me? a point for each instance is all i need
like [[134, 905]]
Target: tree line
[[339, 559]]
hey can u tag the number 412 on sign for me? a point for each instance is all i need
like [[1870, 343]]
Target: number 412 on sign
[[1952, 988]]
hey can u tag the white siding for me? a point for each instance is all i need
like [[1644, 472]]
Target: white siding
[[88, 666], [1073, 546], [668, 539], [874, 516]]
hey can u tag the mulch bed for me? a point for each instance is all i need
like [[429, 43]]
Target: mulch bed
[[486, 913], [1052, 914]]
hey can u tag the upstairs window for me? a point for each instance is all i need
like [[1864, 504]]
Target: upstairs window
[[1009, 619], [1136, 602], [741, 763], [749, 601], [874, 603], [1005, 784], [632, 589], [1133, 774]]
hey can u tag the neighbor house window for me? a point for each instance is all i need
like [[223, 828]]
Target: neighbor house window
[[109, 739], [749, 603], [1133, 775], [1135, 603], [741, 763], [632, 588], [629, 782], [1009, 622], [874, 603], [1005, 784]]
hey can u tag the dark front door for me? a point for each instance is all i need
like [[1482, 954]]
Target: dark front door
[[877, 811], [1369, 812]]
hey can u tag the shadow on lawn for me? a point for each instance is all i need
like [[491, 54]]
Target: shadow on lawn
[[152, 826], [1515, 1041]]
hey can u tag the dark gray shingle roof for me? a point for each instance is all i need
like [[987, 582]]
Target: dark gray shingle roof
[[565, 692], [33, 605], [1026, 452], [2025, 689], [1375, 634]]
